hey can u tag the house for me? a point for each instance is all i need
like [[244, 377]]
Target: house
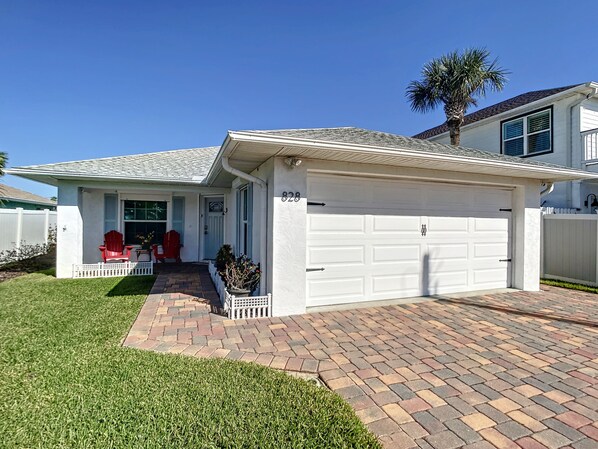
[[333, 215], [558, 126], [12, 198]]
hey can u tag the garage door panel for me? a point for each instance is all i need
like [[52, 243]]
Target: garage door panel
[[336, 255], [335, 291], [396, 284], [396, 224], [407, 253], [448, 252], [491, 224], [374, 250], [447, 224], [493, 251], [336, 223]]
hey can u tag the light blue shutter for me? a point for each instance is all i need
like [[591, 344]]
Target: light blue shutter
[[178, 216], [249, 219], [110, 212]]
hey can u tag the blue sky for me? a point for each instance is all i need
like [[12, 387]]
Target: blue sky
[[82, 80]]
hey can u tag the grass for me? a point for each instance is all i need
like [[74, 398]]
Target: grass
[[66, 383], [569, 285]]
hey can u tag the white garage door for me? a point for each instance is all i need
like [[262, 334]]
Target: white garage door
[[374, 239]]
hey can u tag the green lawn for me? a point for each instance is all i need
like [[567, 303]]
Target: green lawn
[[66, 383], [570, 285]]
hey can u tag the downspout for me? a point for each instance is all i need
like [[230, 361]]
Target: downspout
[[574, 202], [548, 189], [263, 245]]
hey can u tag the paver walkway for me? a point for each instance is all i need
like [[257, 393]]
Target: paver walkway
[[442, 375]]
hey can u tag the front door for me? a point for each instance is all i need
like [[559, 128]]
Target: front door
[[213, 226]]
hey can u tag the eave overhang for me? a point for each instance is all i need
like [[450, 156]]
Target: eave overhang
[[247, 151]]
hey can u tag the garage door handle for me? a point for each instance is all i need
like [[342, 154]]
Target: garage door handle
[[504, 260], [315, 269]]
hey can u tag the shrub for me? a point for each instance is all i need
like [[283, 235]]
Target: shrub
[[242, 274], [26, 257], [223, 258]]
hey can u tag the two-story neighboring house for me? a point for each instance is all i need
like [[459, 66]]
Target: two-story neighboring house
[[557, 125]]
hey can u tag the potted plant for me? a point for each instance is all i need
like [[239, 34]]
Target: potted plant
[[146, 240], [241, 276]]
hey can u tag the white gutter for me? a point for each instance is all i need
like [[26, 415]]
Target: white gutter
[[264, 229], [548, 189], [538, 171], [241, 174]]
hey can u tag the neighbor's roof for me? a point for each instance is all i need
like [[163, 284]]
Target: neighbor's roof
[[14, 194], [180, 166], [498, 108]]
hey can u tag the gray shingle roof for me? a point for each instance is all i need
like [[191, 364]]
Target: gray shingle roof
[[181, 165], [361, 136], [12, 193], [495, 109]]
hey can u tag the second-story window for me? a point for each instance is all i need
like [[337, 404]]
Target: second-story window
[[528, 135]]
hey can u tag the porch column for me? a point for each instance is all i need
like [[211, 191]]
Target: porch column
[[526, 237], [69, 230], [288, 245]]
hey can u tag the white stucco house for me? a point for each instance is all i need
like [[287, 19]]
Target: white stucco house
[[558, 125], [333, 215]]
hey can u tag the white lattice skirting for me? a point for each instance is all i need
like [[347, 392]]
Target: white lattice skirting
[[240, 307], [106, 270]]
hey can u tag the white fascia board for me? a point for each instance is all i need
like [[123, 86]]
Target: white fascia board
[[54, 175], [531, 171], [581, 89]]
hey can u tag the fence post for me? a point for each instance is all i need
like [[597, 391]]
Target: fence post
[[19, 228], [46, 225]]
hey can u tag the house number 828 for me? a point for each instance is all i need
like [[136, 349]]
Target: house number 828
[[291, 196]]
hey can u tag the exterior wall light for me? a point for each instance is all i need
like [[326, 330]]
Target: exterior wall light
[[594, 202], [295, 162]]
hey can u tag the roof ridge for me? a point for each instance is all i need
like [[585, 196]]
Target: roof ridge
[[116, 157]]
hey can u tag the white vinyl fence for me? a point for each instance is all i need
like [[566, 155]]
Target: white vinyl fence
[[106, 270], [570, 248], [25, 227], [240, 307]]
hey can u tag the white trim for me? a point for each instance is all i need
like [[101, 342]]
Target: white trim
[[529, 170]]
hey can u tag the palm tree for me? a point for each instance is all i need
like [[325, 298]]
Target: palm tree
[[3, 159], [457, 81]]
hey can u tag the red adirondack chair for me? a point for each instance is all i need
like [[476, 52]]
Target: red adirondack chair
[[114, 249], [171, 247]]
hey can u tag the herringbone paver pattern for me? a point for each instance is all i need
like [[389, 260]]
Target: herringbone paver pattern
[[438, 375]]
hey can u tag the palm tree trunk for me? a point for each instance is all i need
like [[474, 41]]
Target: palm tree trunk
[[454, 131]]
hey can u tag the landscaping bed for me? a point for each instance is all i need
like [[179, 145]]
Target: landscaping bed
[[65, 381]]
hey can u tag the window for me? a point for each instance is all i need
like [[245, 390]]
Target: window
[[528, 135], [143, 217], [244, 209]]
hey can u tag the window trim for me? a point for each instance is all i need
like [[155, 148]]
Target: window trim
[[550, 109]]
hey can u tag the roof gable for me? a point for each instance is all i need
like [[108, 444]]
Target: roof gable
[[495, 109]]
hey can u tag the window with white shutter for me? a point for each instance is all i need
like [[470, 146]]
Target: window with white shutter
[[528, 135]]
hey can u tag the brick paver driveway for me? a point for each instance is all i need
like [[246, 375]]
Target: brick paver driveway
[[482, 372]]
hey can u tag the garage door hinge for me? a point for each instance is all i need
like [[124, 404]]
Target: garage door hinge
[[504, 260], [315, 269], [505, 210], [311, 203]]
